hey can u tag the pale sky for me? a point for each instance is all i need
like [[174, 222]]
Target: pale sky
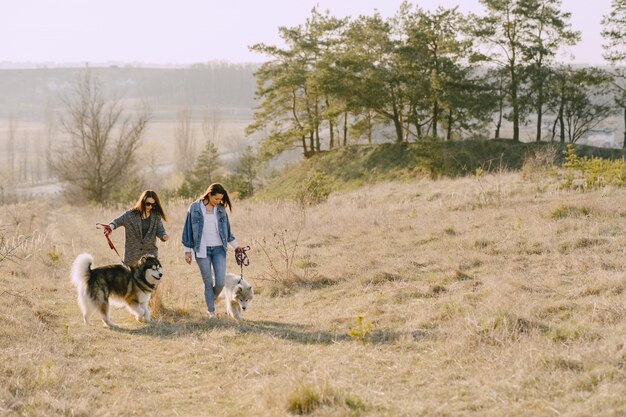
[[182, 32]]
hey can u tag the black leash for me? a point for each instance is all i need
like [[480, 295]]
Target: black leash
[[242, 258]]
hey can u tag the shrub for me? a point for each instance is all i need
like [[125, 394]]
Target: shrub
[[362, 330], [539, 161], [53, 255], [129, 191], [564, 211], [593, 172], [315, 189], [306, 399]]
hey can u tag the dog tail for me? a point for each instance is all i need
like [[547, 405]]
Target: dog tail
[[80, 270]]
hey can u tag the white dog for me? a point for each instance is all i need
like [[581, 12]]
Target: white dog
[[237, 294]]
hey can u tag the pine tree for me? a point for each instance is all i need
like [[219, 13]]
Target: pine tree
[[203, 172]]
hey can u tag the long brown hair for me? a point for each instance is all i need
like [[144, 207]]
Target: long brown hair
[[217, 188], [140, 206]]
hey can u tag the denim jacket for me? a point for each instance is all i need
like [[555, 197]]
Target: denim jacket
[[194, 224]]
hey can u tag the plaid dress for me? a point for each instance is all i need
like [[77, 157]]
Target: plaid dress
[[136, 244]]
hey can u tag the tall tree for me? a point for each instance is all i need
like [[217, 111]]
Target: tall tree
[[496, 80], [614, 33], [284, 108], [325, 79], [501, 32], [370, 65], [578, 100], [203, 173], [546, 29], [246, 173], [103, 141], [433, 52]]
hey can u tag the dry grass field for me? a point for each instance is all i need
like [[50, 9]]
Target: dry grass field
[[484, 296]]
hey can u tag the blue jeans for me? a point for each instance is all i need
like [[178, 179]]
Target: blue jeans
[[216, 256]]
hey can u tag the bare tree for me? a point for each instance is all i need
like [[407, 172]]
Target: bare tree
[[9, 246], [50, 133], [103, 141], [24, 173], [39, 153], [13, 124], [185, 141], [211, 125]]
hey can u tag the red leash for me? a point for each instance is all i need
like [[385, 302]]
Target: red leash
[[107, 232]]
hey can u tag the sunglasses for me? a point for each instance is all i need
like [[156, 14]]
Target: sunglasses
[[150, 204]]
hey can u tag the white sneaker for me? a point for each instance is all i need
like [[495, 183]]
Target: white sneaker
[[211, 315]]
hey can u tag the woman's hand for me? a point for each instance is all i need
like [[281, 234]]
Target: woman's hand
[[238, 249], [188, 257]]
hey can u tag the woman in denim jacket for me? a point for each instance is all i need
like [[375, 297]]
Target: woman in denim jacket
[[207, 233]]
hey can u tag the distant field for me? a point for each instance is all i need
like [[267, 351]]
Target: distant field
[[495, 295], [32, 141], [32, 136]]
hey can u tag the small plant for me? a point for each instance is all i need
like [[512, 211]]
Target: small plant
[[450, 231], [53, 255], [362, 329], [565, 333], [280, 253], [314, 190], [564, 211]]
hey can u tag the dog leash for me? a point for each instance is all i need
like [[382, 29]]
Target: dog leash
[[108, 229], [242, 258]]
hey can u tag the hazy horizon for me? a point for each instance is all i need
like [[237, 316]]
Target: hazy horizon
[[160, 34]]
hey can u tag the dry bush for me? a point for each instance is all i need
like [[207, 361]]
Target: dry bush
[[540, 163]]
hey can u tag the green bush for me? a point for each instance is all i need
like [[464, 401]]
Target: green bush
[[129, 192], [314, 190], [592, 172]]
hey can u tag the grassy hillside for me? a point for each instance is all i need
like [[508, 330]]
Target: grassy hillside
[[349, 167], [478, 296]]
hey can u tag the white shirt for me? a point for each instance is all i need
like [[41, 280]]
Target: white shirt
[[210, 234]]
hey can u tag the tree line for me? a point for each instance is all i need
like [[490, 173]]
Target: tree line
[[425, 74], [437, 73]]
